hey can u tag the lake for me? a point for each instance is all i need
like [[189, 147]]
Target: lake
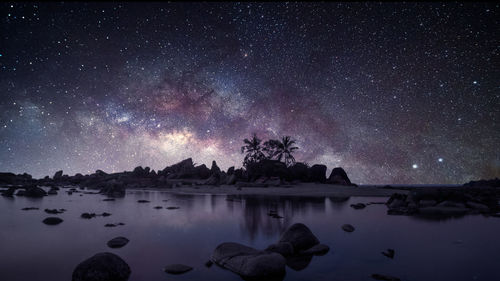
[[455, 249]]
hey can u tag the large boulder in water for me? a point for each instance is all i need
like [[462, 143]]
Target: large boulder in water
[[300, 236], [35, 192], [317, 173], [249, 262], [102, 267], [214, 169], [339, 176], [202, 172]]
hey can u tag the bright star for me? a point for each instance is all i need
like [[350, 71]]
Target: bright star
[[414, 166], [440, 159]]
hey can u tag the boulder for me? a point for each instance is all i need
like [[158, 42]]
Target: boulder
[[339, 176], [427, 203], [117, 242], [102, 267], [52, 221], [284, 248], [317, 173], [317, 250], [212, 180], [389, 253], [231, 179], [477, 206], [230, 171], [358, 206], [348, 228], [177, 268], [249, 262], [299, 171], [300, 236], [9, 192], [202, 172], [214, 169], [35, 192], [58, 175]]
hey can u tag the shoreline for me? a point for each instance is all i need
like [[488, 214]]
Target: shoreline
[[298, 190]]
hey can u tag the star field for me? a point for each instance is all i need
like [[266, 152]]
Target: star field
[[392, 92]]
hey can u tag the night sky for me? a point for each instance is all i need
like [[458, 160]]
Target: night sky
[[392, 92]]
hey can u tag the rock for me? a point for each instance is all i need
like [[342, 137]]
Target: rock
[[209, 263], [142, 201], [214, 169], [105, 214], [172, 208], [477, 206], [158, 207], [284, 248], [427, 203], [348, 228], [52, 192], [88, 215], [339, 176], [52, 220], [397, 200], [231, 179], [54, 211], [298, 262], [389, 253], [317, 173], [102, 267], [9, 192], [58, 175], [109, 225], [299, 171], [385, 277], [212, 180], [443, 211], [29, 208], [109, 199], [273, 181], [358, 206], [451, 204], [177, 268], [117, 242], [230, 171], [318, 250], [300, 236], [35, 192], [113, 188], [249, 262]]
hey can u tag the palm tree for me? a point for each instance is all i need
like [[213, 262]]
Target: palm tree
[[270, 148], [253, 150], [284, 149]]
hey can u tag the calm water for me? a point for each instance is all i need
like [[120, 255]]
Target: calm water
[[457, 249]]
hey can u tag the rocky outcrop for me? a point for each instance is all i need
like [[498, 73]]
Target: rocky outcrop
[[339, 176], [317, 173], [52, 221], [444, 202], [101, 267], [58, 175], [33, 191], [117, 242]]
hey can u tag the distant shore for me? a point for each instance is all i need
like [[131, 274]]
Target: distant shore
[[301, 189]]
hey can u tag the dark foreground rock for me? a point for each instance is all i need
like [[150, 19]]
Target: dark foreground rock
[[177, 268], [118, 242], [52, 221], [102, 267], [300, 237], [249, 262]]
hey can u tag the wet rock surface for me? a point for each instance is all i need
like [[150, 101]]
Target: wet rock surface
[[117, 242], [52, 221], [177, 268], [102, 267]]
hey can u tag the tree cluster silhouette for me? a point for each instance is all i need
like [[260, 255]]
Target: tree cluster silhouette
[[272, 149]]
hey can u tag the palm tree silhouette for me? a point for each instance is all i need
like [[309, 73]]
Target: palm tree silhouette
[[284, 149], [253, 150]]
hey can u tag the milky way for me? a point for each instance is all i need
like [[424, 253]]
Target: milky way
[[392, 92]]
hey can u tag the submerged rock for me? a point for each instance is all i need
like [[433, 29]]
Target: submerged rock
[[102, 267], [249, 262], [54, 211], [29, 208], [317, 250], [35, 192], [389, 253], [52, 221], [358, 206], [348, 228], [142, 201], [118, 242], [283, 248], [177, 268]]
